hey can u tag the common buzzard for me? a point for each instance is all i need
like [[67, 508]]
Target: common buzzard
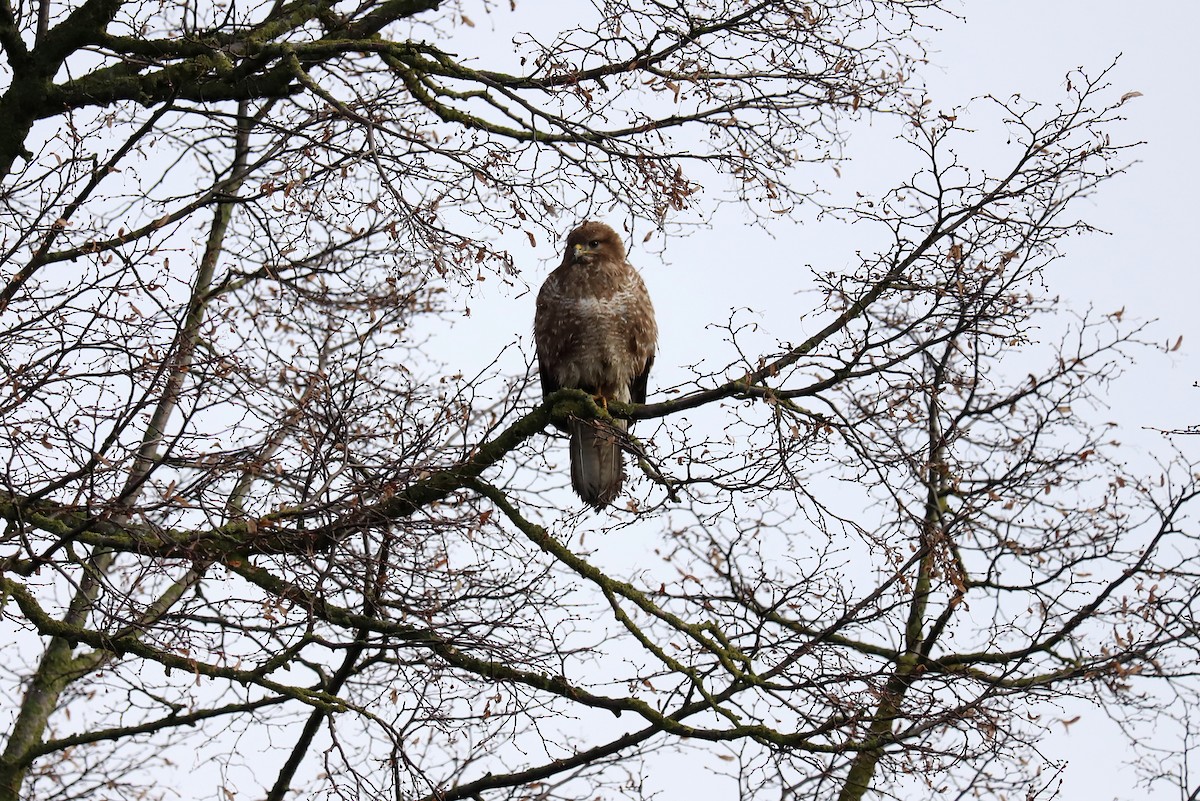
[[595, 330]]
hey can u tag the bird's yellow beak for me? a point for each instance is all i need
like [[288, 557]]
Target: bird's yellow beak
[[580, 250]]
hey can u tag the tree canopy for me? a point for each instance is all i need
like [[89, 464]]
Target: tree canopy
[[254, 533]]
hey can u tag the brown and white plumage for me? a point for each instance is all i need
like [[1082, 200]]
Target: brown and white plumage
[[595, 330]]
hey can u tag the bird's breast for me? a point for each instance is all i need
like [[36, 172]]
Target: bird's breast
[[598, 352]]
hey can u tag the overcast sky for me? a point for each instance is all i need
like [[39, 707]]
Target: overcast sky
[[1147, 264]]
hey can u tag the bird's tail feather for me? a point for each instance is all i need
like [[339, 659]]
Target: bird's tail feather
[[597, 465]]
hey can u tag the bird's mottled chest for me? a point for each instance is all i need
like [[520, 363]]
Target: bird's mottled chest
[[591, 298], [599, 309], [588, 330], [586, 318]]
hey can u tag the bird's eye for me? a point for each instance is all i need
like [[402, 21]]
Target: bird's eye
[[595, 243]]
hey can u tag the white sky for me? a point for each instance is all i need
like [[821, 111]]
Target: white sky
[[1003, 47], [1148, 263]]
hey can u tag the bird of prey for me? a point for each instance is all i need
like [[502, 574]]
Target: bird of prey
[[595, 331]]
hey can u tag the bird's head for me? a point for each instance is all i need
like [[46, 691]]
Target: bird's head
[[592, 242]]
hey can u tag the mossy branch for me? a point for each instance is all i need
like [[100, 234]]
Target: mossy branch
[[131, 643]]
